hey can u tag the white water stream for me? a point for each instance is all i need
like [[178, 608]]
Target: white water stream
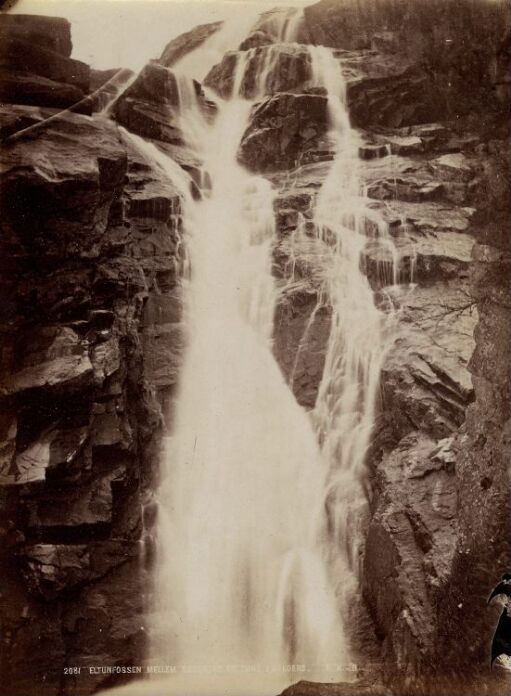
[[256, 496]]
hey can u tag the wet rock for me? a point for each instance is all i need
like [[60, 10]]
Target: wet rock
[[105, 85], [31, 464], [405, 145], [187, 42], [394, 101], [423, 259], [371, 151], [302, 329], [289, 69], [283, 24], [282, 129], [163, 348], [53, 448], [107, 430], [85, 238], [435, 37], [255, 40], [410, 180], [8, 432], [118, 277], [150, 105], [426, 217], [66, 444], [36, 69]]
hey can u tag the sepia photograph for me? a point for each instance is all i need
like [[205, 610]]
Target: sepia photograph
[[255, 348]]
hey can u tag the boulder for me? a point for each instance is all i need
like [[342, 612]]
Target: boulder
[[52, 33], [282, 129], [31, 58], [150, 105], [187, 42], [35, 67]]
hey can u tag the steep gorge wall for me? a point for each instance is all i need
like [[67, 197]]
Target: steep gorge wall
[[91, 336]]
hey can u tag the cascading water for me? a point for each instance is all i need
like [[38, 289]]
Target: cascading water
[[359, 336], [243, 593], [257, 548]]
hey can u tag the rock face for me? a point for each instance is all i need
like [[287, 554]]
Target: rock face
[[424, 175], [35, 67], [433, 36], [282, 129], [266, 69], [91, 334]]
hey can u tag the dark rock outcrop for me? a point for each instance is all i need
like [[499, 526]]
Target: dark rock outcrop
[[282, 129], [435, 35], [35, 67], [52, 33], [284, 67], [187, 42], [150, 105], [90, 257]]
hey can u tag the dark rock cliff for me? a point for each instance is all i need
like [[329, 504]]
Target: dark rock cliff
[[91, 336], [91, 328]]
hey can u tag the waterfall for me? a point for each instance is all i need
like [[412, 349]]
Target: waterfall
[[259, 500], [243, 593], [359, 337]]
